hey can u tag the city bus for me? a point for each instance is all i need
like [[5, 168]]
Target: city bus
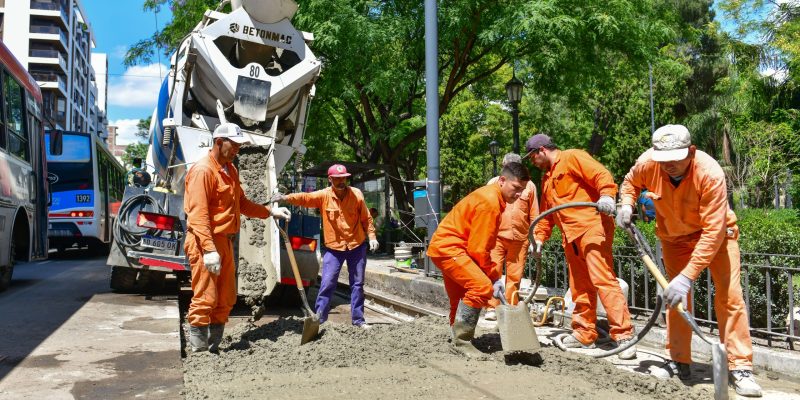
[[86, 187], [23, 170]]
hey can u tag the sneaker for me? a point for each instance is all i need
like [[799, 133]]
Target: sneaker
[[745, 384], [491, 315], [671, 369], [571, 342], [363, 325], [630, 352]]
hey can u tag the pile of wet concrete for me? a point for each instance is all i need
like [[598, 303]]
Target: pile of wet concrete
[[409, 360]]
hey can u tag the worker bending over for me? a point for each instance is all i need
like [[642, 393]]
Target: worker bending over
[[346, 224], [213, 201], [461, 248], [587, 237], [512, 239], [697, 230]]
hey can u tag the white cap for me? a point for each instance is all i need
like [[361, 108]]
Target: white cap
[[671, 143], [232, 131]]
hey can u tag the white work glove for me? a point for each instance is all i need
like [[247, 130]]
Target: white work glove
[[606, 205], [373, 245], [281, 213], [499, 288], [624, 216], [277, 197], [536, 252], [677, 290], [212, 262]]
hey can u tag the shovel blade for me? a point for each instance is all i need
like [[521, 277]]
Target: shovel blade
[[516, 328], [719, 367], [310, 329]]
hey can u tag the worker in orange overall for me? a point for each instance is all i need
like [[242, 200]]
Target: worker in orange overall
[[574, 176], [346, 226], [461, 248], [697, 230], [512, 240], [213, 200]]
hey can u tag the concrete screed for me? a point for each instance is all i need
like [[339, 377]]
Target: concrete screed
[[408, 360]]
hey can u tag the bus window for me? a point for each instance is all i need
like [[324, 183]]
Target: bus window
[[15, 118], [76, 148], [72, 170], [2, 122]]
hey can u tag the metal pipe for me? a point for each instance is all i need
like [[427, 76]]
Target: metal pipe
[[432, 111]]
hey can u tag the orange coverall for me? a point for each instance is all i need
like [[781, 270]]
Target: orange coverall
[[698, 230], [462, 244], [587, 238], [512, 240], [212, 201], [340, 217]]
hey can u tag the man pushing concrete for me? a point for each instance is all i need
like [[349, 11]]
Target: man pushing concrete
[[461, 248]]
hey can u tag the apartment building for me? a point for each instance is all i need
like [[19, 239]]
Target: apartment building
[[54, 39]]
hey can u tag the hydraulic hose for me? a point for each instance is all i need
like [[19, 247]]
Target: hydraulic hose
[[643, 247], [126, 232]]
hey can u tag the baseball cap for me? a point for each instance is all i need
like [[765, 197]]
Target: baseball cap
[[337, 171], [671, 143], [536, 141], [232, 131]]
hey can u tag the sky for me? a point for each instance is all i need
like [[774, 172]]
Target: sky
[[132, 91]]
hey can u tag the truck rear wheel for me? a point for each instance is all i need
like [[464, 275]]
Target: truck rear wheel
[[131, 280]]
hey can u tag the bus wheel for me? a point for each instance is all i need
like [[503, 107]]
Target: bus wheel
[[5, 276]]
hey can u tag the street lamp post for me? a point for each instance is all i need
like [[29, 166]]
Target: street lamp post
[[494, 150], [514, 92]]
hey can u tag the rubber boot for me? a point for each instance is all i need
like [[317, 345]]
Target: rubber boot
[[198, 338], [215, 337], [464, 329]]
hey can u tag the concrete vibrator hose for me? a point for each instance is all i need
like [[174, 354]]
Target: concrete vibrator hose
[[558, 341]]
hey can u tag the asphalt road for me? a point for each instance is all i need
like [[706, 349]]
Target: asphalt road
[[65, 335]]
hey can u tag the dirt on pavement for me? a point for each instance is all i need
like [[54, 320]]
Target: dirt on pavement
[[399, 361]]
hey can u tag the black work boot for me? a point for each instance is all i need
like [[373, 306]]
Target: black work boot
[[464, 329], [198, 338], [215, 332]]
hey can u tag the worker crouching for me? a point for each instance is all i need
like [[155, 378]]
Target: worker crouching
[[461, 248]]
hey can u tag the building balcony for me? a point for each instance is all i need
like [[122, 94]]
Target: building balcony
[[53, 10], [50, 81], [50, 33], [49, 57]]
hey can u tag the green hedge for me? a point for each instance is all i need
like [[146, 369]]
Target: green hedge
[[768, 238]]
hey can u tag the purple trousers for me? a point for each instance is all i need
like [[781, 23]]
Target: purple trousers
[[331, 266]]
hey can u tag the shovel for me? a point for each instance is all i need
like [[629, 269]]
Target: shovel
[[311, 320], [516, 328], [719, 355]]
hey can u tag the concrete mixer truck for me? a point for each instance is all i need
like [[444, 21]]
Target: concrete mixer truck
[[250, 67]]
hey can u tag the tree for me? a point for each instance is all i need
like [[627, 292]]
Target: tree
[[133, 151], [143, 128]]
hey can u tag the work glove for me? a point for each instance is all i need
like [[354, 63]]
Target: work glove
[[606, 205], [281, 213], [624, 216], [537, 251], [212, 262], [373, 245], [677, 290], [499, 288]]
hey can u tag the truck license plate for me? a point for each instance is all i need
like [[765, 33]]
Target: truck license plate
[[159, 243]]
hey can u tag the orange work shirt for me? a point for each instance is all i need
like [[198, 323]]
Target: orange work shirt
[[470, 229], [696, 210], [517, 217], [574, 177], [213, 200], [346, 222]]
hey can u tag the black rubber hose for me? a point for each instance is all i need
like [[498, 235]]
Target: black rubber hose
[[558, 340], [126, 232]]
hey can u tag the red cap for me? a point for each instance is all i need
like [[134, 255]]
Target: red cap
[[337, 171]]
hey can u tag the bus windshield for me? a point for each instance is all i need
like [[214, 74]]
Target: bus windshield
[[72, 170]]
